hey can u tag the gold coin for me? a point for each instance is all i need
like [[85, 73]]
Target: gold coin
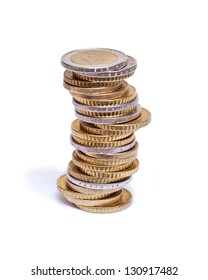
[[70, 195], [83, 134], [65, 188], [96, 79], [123, 203], [95, 202], [75, 172], [105, 161], [121, 155], [107, 145], [94, 57], [143, 120], [72, 81], [95, 194], [129, 96], [98, 168], [107, 114], [100, 90], [121, 91], [91, 128], [114, 175]]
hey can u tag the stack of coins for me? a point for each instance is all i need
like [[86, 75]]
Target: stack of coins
[[108, 114]]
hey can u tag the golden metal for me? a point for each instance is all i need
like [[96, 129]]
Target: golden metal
[[65, 187], [106, 149], [123, 203], [121, 91], [113, 198], [83, 134], [94, 57], [86, 199], [107, 145], [78, 174], [91, 128], [143, 120], [105, 161], [129, 96], [114, 175], [98, 168], [121, 155], [93, 90], [72, 81]]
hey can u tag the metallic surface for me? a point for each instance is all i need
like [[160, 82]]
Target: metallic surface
[[103, 135], [99, 186], [94, 60], [123, 203], [102, 150]]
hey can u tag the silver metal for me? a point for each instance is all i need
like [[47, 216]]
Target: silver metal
[[102, 150], [128, 69], [115, 185], [120, 62], [105, 108], [110, 120]]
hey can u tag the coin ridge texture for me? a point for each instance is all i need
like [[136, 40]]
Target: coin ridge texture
[[124, 203], [64, 186]]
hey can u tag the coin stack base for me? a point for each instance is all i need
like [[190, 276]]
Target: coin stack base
[[108, 114]]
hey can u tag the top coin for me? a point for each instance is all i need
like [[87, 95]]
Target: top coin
[[94, 60]]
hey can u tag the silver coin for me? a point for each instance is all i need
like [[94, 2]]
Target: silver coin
[[105, 108], [110, 120], [94, 60], [101, 150], [128, 69], [115, 185]]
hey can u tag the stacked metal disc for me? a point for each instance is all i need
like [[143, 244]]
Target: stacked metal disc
[[108, 114]]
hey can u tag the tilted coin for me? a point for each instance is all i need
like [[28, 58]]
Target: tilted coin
[[128, 97], [112, 198], [119, 184], [108, 200], [75, 172], [132, 169], [65, 187], [117, 113], [116, 155], [105, 161], [98, 168], [101, 150], [73, 81], [143, 120], [122, 72], [123, 203], [121, 91], [91, 128], [104, 145], [92, 90], [105, 109], [94, 60], [95, 193], [110, 120], [81, 76], [83, 134]]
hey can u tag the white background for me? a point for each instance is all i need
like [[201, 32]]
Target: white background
[[167, 223]]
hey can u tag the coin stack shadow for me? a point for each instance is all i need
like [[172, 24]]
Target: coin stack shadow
[[105, 155]]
